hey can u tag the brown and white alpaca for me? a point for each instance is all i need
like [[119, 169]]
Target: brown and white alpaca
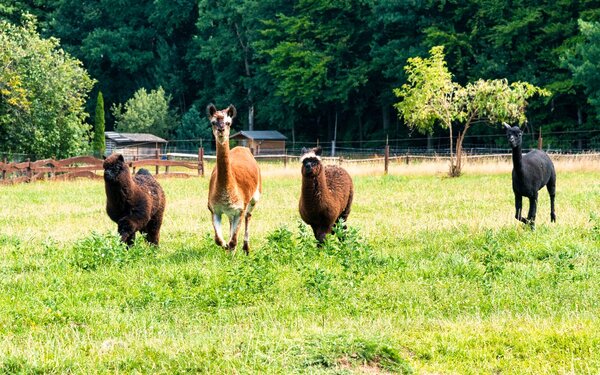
[[327, 193], [235, 183]]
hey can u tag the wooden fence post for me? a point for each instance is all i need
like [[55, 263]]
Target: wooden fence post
[[540, 140], [386, 159], [4, 169], [167, 167], [133, 165], [285, 159], [28, 170], [201, 161], [157, 156]]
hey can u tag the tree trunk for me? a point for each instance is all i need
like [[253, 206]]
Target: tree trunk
[[451, 154], [385, 117], [457, 170], [334, 135], [360, 131], [251, 118]]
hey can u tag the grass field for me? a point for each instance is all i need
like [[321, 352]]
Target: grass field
[[434, 276]]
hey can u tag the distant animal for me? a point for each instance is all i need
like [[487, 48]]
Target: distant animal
[[235, 183], [135, 203], [327, 193], [531, 172]]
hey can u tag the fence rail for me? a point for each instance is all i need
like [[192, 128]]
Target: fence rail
[[89, 167], [84, 167]]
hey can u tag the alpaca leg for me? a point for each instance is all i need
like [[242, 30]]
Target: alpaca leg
[[532, 211], [235, 228], [126, 231], [519, 208], [552, 193], [216, 219], [320, 234], [153, 230], [246, 234]]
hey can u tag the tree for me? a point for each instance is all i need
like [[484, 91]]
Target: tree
[[99, 142], [430, 97], [193, 127], [42, 95], [145, 112], [585, 63]]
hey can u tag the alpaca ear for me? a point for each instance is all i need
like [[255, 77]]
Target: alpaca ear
[[120, 158], [304, 150], [506, 125], [231, 111], [210, 110], [318, 150]]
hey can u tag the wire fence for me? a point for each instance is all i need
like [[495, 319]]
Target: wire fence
[[566, 142]]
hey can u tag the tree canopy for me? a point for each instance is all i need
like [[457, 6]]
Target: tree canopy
[[430, 97], [43, 91], [303, 66]]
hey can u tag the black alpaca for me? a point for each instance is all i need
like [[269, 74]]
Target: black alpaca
[[531, 172]]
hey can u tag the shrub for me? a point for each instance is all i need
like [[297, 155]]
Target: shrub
[[98, 250]]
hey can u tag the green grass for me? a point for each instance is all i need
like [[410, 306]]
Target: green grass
[[433, 276]]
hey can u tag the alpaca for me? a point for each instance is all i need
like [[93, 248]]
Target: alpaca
[[235, 183], [327, 193], [135, 203], [531, 172]]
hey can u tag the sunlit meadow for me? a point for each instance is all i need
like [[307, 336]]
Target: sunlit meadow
[[434, 275]]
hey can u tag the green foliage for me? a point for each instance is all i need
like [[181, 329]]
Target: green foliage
[[193, 126], [42, 95], [348, 352], [430, 97], [99, 250], [459, 287], [99, 141], [145, 112], [585, 63]]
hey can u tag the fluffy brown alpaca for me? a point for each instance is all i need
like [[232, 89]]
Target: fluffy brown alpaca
[[235, 183], [135, 203], [327, 193]]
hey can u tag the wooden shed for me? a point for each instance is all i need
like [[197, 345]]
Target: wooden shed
[[261, 142], [140, 145]]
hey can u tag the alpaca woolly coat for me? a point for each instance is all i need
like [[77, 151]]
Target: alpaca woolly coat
[[135, 203]]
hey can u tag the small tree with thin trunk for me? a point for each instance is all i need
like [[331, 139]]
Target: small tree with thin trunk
[[430, 97], [99, 143]]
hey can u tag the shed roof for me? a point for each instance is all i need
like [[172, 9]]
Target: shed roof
[[133, 137], [260, 135]]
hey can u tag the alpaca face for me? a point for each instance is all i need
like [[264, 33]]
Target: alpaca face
[[514, 135], [311, 162], [113, 166], [221, 122], [311, 167]]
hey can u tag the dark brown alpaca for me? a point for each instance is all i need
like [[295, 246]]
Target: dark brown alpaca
[[327, 193], [135, 203]]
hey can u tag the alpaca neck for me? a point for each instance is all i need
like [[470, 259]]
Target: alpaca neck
[[517, 157], [223, 166], [121, 188], [315, 187]]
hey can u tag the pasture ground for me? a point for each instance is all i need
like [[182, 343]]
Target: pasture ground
[[434, 276]]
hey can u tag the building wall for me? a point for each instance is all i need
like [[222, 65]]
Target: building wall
[[270, 147]]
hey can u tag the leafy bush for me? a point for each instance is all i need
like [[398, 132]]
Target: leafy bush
[[98, 250]]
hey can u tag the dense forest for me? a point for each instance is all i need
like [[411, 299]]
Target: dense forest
[[315, 69]]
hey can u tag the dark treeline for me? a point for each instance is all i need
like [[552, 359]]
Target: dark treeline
[[304, 66]]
